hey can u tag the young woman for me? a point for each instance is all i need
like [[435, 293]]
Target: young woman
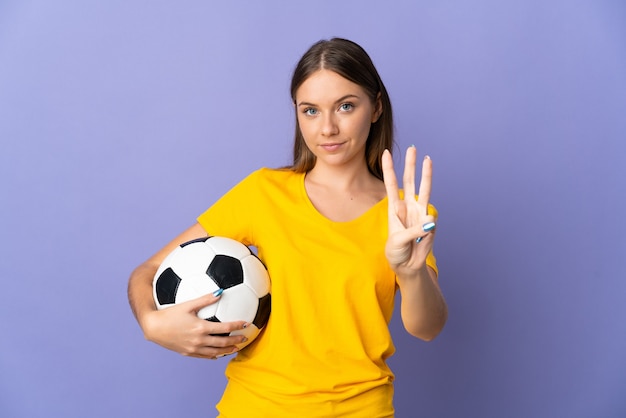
[[338, 238]]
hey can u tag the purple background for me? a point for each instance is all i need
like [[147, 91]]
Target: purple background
[[120, 121]]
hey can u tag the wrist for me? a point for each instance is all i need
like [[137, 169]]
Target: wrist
[[147, 321], [411, 273]]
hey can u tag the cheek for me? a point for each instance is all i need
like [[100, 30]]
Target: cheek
[[306, 127], [363, 128]]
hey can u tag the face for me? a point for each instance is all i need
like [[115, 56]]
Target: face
[[335, 116]]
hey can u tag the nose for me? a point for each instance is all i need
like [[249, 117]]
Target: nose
[[329, 125]]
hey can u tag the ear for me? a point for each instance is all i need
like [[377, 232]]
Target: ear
[[378, 109]]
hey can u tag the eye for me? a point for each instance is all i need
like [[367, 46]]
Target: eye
[[346, 107], [310, 111]]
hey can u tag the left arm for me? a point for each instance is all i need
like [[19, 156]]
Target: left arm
[[411, 237]]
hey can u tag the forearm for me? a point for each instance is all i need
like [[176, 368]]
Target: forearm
[[423, 308]]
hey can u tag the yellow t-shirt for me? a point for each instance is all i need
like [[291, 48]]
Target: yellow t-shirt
[[323, 351]]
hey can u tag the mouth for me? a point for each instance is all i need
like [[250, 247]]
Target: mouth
[[331, 146]]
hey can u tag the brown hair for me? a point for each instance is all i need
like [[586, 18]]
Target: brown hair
[[350, 61]]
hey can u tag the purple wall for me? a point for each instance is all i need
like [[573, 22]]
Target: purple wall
[[121, 121]]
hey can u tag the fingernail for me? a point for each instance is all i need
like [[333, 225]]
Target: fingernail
[[418, 239], [427, 227], [412, 146], [246, 325], [244, 339], [427, 157], [218, 292]]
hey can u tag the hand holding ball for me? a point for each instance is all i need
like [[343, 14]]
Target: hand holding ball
[[206, 265]]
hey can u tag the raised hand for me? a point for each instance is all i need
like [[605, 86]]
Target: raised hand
[[411, 228]]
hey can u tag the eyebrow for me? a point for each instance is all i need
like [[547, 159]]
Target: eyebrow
[[341, 99]]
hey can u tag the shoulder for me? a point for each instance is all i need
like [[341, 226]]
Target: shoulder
[[278, 176], [275, 173], [265, 174]]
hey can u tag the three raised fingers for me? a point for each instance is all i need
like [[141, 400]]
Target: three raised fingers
[[391, 183]]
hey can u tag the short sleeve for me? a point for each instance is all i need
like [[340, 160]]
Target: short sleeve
[[232, 215]]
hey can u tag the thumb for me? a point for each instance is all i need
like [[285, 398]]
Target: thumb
[[194, 305]]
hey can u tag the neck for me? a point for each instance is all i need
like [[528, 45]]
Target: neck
[[342, 177]]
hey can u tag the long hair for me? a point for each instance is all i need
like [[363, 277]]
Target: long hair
[[350, 61]]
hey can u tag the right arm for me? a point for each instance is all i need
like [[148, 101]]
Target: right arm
[[178, 327]]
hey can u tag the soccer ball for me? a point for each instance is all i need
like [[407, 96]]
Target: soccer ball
[[205, 265]]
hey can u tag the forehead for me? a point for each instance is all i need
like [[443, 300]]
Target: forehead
[[326, 85]]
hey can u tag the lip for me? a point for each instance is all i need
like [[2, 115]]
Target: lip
[[332, 146]]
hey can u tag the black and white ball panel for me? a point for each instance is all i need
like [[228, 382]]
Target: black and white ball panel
[[191, 261]]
